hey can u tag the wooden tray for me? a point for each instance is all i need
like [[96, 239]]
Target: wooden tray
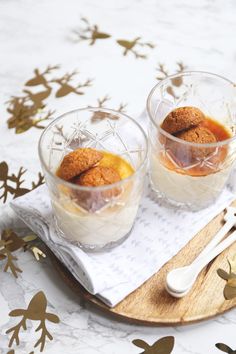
[[150, 304]]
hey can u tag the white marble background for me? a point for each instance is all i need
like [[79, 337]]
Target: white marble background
[[34, 34]]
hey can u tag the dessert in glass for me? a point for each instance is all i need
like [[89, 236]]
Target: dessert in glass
[[94, 161], [192, 138]]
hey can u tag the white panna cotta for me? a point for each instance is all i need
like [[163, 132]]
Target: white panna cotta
[[199, 191], [109, 224]]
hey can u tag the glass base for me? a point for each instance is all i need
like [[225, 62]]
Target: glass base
[[161, 199], [87, 247], [101, 248]]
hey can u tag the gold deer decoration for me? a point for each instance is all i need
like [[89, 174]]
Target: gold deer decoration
[[16, 242], [5, 253], [66, 88], [23, 242], [37, 252], [225, 348], [36, 311], [164, 345], [11, 242], [29, 109], [89, 33], [130, 46], [230, 287], [41, 78], [175, 82], [17, 189], [92, 33], [101, 103]]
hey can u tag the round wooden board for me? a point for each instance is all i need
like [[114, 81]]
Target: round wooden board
[[150, 304]]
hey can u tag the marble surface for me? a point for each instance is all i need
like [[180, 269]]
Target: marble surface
[[35, 34]]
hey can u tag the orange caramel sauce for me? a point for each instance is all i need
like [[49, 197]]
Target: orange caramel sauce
[[220, 131], [183, 160]]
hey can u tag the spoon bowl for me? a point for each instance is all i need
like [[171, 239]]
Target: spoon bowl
[[180, 280]]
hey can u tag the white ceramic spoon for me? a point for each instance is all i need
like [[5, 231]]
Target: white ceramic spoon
[[180, 280]]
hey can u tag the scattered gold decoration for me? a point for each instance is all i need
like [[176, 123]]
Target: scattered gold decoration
[[40, 79], [175, 82], [15, 242], [92, 33], [28, 110], [129, 46], [102, 101], [10, 264], [11, 242], [89, 33], [99, 115], [230, 287], [66, 89], [37, 252], [5, 253], [7, 180], [36, 311], [164, 345], [30, 238], [225, 348]]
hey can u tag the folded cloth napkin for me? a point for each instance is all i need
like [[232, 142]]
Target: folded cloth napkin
[[159, 233]]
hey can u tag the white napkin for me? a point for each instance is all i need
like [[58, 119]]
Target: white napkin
[[159, 233]]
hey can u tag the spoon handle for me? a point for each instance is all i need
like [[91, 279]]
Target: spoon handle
[[202, 262], [217, 238]]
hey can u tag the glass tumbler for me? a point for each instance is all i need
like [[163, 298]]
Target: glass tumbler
[[102, 216], [184, 173]]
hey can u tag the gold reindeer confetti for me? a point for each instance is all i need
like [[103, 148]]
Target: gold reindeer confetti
[[230, 287], [92, 33], [175, 82], [30, 238], [24, 109], [89, 33], [225, 348], [29, 109], [15, 242], [36, 311], [101, 103], [164, 345], [5, 253], [17, 180], [41, 78], [37, 252], [66, 89], [11, 242], [130, 46]]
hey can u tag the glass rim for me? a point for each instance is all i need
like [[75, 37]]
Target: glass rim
[[96, 188], [174, 138]]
